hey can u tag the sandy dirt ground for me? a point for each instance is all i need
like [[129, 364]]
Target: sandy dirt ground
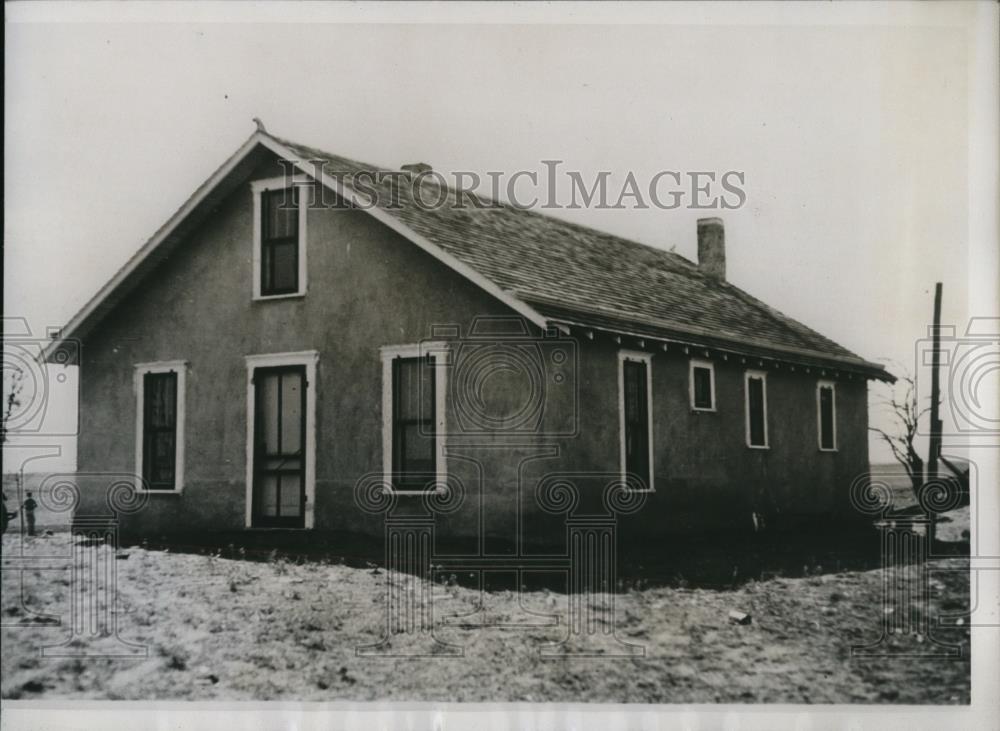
[[208, 627]]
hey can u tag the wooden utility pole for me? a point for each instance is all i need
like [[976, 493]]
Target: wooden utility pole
[[934, 443]]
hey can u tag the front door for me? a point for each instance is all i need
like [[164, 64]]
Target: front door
[[279, 447]]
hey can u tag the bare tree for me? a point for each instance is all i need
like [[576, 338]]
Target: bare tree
[[13, 384], [904, 406]]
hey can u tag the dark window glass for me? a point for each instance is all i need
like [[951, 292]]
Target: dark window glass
[[636, 421], [755, 403], [702, 388], [414, 442], [159, 430], [279, 242], [826, 417]]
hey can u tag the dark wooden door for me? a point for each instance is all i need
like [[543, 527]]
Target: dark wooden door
[[279, 447]]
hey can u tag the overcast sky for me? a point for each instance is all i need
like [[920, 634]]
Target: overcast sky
[[853, 139]]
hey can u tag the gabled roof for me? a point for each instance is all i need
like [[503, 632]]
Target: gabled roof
[[550, 271]]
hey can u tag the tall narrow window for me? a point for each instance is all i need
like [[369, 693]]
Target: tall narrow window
[[160, 425], [280, 208], [279, 241], [702, 385], [414, 441], [636, 427], [756, 407], [826, 405]]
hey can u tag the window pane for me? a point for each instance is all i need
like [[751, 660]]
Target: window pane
[[267, 393], [281, 215], [291, 413], [414, 389], [702, 388], [268, 495], [755, 390], [281, 266], [291, 496], [161, 399], [418, 448], [161, 472], [826, 417]]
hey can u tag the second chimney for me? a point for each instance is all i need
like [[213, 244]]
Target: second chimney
[[712, 247]]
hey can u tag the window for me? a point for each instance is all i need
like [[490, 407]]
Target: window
[[702, 377], [279, 242], [413, 417], [826, 415], [279, 238], [635, 412], [756, 406], [159, 389]]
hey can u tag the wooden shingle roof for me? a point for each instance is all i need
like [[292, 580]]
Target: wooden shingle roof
[[551, 271], [582, 277]]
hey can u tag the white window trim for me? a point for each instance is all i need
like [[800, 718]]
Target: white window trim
[[640, 357], [309, 359], [699, 363], [438, 351], [258, 187], [819, 415], [141, 369], [762, 375]]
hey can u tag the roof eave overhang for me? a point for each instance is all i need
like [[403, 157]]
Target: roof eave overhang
[[761, 353]]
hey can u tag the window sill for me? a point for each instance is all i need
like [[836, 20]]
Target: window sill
[[833, 451], [269, 297], [758, 446], [696, 410]]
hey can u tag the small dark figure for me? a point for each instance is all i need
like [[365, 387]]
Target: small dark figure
[[29, 506]]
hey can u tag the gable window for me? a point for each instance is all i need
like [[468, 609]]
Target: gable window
[[826, 415], [413, 417], [279, 239], [159, 391], [636, 418], [755, 386], [702, 378]]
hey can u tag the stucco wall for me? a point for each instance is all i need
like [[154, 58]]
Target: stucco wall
[[368, 287]]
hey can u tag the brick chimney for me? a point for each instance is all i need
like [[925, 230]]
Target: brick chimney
[[712, 247], [414, 169]]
